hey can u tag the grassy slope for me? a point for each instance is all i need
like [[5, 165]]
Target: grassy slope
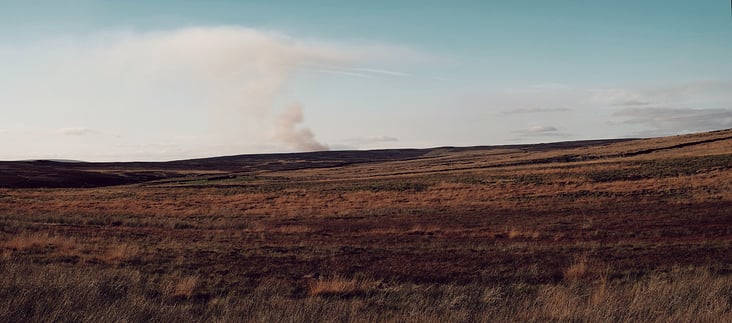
[[627, 230]]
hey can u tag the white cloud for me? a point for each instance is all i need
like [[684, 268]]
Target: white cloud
[[581, 112], [225, 84], [698, 92], [667, 109], [241, 71], [541, 129], [669, 121]]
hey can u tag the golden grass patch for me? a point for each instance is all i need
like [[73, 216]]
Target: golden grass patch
[[181, 286], [579, 269], [120, 252], [338, 285], [25, 241]]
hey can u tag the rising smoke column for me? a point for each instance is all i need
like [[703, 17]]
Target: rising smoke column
[[200, 90], [288, 131], [238, 72]]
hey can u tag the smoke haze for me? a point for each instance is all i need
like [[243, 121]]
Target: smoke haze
[[296, 138], [241, 71], [225, 87]]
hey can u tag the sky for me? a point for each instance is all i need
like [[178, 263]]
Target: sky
[[100, 80]]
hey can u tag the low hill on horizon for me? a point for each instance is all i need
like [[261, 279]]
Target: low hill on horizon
[[203, 171]]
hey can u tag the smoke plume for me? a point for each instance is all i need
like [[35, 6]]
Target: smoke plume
[[208, 90], [241, 71], [225, 83], [287, 131]]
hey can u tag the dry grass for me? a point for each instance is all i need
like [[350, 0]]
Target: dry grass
[[120, 252], [338, 285], [579, 269], [84, 295], [514, 233], [682, 295], [41, 240], [292, 229], [462, 236], [181, 286]]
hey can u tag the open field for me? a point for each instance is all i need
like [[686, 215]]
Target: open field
[[621, 230]]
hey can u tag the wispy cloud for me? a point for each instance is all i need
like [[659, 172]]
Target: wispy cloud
[[78, 131], [665, 95], [380, 71], [631, 103], [359, 72], [539, 131], [665, 109], [534, 110], [659, 121], [366, 142], [340, 72], [707, 88], [369, 140], [617, 97]]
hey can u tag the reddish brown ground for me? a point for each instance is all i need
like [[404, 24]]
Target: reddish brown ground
[[447, 216]]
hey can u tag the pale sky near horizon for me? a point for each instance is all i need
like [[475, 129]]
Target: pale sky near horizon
[[160, 80]]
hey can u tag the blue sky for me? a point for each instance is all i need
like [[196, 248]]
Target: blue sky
[[159, 80]]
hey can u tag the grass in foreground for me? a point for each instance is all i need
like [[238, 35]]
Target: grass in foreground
[[83, 295], [557, 235]]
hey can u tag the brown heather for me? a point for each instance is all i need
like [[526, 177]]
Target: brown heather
[[631, 231], [181, 286], [577, 270], [120, 252], [338, 285]]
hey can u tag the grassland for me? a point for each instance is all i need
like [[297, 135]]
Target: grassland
[[629, 230]]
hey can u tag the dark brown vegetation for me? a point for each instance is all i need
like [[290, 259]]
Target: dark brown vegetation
[[637, 230]]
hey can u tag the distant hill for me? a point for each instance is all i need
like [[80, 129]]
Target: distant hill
[[76, 174]]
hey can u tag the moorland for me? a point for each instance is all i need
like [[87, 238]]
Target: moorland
[[601, 230]]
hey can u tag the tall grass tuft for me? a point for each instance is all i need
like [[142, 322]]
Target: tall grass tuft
[[338, 285]]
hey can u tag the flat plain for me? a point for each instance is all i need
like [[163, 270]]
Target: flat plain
[[604, 230]]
